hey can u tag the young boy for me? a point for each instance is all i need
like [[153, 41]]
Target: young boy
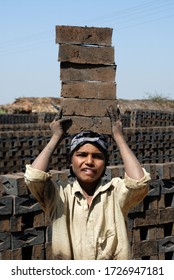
[[88, 216]]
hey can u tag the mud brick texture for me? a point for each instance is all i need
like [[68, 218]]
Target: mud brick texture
[[25, 230], [83, 35], [152, 225], [87, 72]]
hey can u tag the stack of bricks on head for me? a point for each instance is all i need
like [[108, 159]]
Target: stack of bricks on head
[[87, 72]]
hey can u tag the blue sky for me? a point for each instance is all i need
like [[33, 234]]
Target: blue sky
[[143, 39]]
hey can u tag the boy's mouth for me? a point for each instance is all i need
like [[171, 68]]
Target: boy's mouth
[[88, 170]]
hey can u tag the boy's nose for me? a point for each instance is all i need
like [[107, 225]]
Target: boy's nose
[[89, 159]]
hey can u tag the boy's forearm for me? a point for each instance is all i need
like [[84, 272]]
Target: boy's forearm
[[43, 159], [131, 164]]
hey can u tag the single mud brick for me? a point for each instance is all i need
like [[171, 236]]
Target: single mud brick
[[160, 232], [86, 55], [92, 90], [25, 204], [152, 233], [4, 241], [166, 215], [11, 254], [172, 170], [144, 248], [4, 223], [161, 201], [87, 72], [38, 219], [86, 107], [153, 173], [38, 252], [6, 205], [14, 184], [166, 170], [97, 124], [16, 223], [6, 255], [151, 217], [83, 35], [136, 235], [28, 237]]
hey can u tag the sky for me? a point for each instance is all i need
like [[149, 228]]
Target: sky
[[143, 41]]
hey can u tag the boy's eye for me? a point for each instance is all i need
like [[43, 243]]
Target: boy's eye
[[99, 156], [82, 154]]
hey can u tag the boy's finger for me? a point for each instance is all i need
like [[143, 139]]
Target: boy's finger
[[112, 113], [59, 114]]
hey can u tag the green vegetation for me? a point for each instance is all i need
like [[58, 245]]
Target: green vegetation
[[156, 97], [2, 111]]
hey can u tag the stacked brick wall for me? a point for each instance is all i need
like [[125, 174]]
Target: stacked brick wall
[[87, 72]]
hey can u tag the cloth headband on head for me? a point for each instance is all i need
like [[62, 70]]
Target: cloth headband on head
[[76, 141]]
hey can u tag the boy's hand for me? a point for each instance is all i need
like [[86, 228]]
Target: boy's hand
[[59, 126], [115, 117]]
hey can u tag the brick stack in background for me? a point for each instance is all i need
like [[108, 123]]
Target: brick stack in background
[[87, 71], [25, 231], [21, 140], [151, 224]]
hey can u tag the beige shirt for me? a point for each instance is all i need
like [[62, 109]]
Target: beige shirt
[[80, 232]]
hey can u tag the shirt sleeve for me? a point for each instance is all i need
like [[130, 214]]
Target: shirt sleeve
[[137, 184], [130, 192], [39, 184]]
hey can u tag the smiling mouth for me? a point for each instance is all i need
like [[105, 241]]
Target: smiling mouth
[[88, 170]]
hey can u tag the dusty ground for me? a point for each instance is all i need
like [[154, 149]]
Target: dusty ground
[[38, 105]]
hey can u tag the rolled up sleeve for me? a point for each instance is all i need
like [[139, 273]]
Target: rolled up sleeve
[[137, 184], [38, 183], [131, 192]]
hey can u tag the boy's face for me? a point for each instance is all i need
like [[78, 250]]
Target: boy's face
[[88, 164]]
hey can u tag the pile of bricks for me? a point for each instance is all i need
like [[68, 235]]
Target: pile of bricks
[[18, 118], [21, 146], [25, 232], [151, 118], [152, 223], [87, 72]]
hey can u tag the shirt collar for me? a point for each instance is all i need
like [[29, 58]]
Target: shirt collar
[[102, 186]]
